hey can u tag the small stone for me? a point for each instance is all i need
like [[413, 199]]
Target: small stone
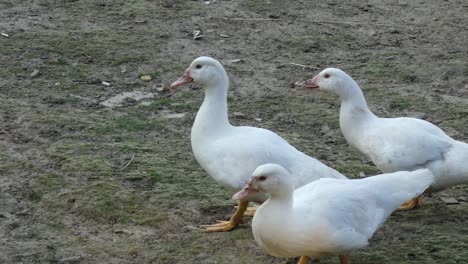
[[35, 73], [188, 228], [145, 78], [238, 115], [174, 115], [449, 200], [197, 34], [5, 35], [159, 87], [362, 174], [258, 119], [236, 61], [105, 83], [207, 2], [325, 129], [224, 36]]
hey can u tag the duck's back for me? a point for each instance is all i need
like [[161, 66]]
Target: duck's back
[[233, 154], [395, 144]]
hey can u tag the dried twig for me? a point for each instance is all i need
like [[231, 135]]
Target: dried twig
[[128, 164], [243, 19], [297, 64], [302, 65]]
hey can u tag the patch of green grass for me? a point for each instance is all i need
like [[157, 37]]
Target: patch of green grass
[[127, 58], [186, 95], [241, 234], [59, 61], [56, 225], [158, 103], [171, 104], [332, 120], [7, 165], [381, 72], [128, 124], [105, 201], [184, 107], [400, 103], [154, 177], [153, 221], [91, 165], [49, 181], [58, 100], [34, 196], [136, 124]]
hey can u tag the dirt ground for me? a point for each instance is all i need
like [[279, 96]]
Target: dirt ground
[[85, 183]]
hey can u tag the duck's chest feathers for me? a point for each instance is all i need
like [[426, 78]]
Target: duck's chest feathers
[[355, 123], [271, 238]]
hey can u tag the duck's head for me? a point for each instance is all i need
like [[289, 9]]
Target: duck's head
[[269, 178], [203, 70], [331, 80]]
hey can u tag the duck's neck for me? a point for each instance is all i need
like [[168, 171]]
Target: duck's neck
[[354, 112], [213, 113], [283, 200]]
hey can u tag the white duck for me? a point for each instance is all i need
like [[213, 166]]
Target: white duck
[[395, 144], [327, 216], [230, 154]]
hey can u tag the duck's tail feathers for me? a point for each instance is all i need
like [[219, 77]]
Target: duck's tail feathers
[[393, 189]]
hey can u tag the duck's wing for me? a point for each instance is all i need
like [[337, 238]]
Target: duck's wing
[[395, 144], [233, 157], [352, 210]]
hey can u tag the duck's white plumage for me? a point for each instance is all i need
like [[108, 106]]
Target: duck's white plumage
[[395, 144], [233, 156], [230, 154], [328, 216]]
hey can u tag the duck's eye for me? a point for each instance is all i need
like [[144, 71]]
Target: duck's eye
[[198, 66], [262, 178], [326, 76]]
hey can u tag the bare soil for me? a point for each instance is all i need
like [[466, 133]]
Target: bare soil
[[85, 183]]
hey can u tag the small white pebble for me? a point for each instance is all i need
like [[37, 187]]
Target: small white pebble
[[35, 73], [105, 83], [5, 35], [207, 2], [236, 61]]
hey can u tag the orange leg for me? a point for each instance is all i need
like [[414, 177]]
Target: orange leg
[[304, 260], [250, 211], [224, 226], [344, 259], [411, 204]]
